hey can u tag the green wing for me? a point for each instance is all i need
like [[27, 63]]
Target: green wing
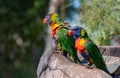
[[67, 43], [96, 56]]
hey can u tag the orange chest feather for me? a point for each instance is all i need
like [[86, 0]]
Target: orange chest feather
[[55, 27], [80, 44]]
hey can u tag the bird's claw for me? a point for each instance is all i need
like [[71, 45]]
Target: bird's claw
[[84, 62], [90, 66]]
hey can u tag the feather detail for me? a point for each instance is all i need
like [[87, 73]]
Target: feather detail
[[64, 42], [55, 27], [80, 44]]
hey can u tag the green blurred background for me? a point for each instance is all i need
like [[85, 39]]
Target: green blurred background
[[21, 37], [22, 33]]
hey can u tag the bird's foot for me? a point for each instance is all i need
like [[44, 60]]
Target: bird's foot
[[84, 62], [90, 66]]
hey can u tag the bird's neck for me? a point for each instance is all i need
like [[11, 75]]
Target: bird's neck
[[55, 27]]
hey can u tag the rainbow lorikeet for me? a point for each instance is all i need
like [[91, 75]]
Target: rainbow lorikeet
[[87, 48], [64, 42]]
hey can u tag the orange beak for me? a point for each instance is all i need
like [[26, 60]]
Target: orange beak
[[44, 21], [70, 32]]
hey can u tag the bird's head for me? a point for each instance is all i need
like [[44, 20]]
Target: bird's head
[[51, 18], [78, 32]]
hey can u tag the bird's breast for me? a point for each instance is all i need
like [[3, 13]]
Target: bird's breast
[[80, 44]]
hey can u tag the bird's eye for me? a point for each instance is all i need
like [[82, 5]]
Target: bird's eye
[[75, 28], [49, 21]]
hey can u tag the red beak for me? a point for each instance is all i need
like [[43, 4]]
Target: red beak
[[44, 21], [70, 32]]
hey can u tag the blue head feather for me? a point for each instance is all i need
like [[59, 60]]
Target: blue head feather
[[48, 18], [77, 31]]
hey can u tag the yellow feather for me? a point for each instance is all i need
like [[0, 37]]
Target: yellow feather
[[54, 17], [55, 25], [83, 32], [82, 42]]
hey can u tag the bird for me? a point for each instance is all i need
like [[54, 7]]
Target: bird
[[59, 33], [87, 48]]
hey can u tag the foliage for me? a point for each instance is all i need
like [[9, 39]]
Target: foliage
[[21, 36], [102, 20]]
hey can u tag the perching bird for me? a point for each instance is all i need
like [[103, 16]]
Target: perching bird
[[64, 42], [87, 48]]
